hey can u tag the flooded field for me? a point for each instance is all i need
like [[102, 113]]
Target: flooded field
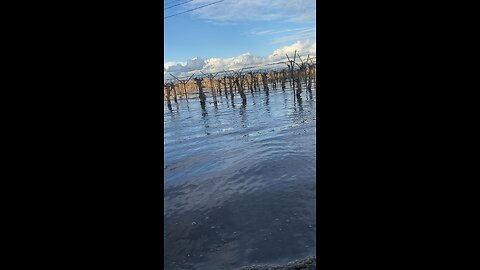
[[239, 181]]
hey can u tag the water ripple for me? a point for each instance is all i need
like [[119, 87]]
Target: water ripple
[[240, 182]]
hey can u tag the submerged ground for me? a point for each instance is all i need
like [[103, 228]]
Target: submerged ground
[[240, 181]]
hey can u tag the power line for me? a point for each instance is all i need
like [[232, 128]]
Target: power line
[[171, 2], [177, 5], [193, 9]]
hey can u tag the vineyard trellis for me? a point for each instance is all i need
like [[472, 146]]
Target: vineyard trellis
[[302, 73], [247, 68]]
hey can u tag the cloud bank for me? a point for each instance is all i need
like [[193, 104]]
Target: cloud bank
[[195, 65]]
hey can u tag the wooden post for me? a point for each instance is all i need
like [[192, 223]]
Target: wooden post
[[291, 68], [274, 80], [174, 91], [225, 86], [201, 95], [239, 85], [309, 81], [168, 92], [265, 82], [164, 92], [250, 85], [212, 87], [299, 84], [231, 86], [169, 103], [219, 85], [314, 67]]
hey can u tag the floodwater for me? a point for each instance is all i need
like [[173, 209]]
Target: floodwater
[[239, 181]]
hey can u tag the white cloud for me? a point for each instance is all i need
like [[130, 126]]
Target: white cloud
[[169, 64], [255, 10], [191, 65], [304, 48], [198, 64]]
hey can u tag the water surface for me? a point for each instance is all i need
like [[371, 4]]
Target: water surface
[[239, 181]]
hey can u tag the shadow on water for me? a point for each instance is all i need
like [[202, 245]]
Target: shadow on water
[[204, 111], [205, 120], [177, 110], [267, 104], [215, 102], [243, 115], [299, 102]]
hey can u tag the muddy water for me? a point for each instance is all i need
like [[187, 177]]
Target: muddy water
[[239, 181]]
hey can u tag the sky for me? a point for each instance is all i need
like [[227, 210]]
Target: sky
[[235, 33]]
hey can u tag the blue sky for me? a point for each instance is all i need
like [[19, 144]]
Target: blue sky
[[236, 27]]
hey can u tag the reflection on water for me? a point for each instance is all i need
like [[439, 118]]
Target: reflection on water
[[240, 181]]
